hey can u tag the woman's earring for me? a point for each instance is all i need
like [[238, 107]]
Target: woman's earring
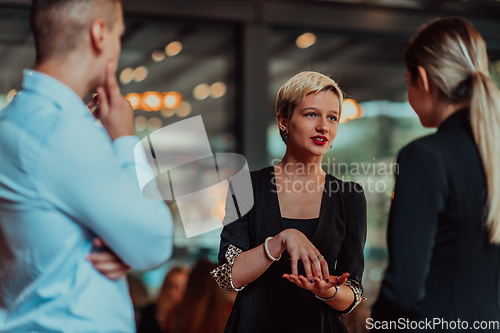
[[285, 137], [331, 146]]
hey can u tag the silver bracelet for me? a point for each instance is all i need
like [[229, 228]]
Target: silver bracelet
[[329, 299], [267, 250]]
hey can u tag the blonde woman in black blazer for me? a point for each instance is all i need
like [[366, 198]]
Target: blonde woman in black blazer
[[444, 225]]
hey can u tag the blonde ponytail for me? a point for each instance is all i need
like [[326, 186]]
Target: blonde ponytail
[[454, 55], [485, 122]]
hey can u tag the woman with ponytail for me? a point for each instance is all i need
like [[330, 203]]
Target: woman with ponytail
[[444, 223]]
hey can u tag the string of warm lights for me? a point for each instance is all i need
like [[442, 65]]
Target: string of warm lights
[[168, 103], [154, 100]]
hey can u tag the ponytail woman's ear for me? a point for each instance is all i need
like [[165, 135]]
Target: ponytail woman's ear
[[423, 78]]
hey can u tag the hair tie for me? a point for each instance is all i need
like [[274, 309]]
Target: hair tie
[[463, 90]]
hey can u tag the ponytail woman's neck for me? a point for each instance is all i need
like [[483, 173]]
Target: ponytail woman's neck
[[445, 110]]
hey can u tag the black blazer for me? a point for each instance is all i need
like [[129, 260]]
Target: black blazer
[[441, 264], [272, 303]]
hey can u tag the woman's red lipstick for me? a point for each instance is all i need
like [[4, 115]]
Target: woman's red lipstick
[[320, 140]]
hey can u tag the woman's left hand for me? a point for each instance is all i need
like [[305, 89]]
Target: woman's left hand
[[319, 287]]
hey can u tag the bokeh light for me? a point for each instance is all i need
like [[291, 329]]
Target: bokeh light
[[218, 89], [305, 40], [166, 113], [158, 55], [134, 100], [127, 75], [173, 48], [350, 110], [152, 100], [171, 100], [184, 109], [154, 123], [201, 91], [140, 123], [140, 73]]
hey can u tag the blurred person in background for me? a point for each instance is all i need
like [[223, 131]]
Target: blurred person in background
[[444, 224], [65, 180], [138, 294], [204, 308], [312, 221], [171, 293]]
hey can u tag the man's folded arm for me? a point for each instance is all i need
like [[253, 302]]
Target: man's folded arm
[[94, 183]]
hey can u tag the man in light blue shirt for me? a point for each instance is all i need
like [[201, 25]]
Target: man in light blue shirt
[[64, 180]]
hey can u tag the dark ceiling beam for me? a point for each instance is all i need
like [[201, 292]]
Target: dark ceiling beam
[[360, 19], [193, 9], [15, 3], [348, 19], [353, 18], [370, 20]]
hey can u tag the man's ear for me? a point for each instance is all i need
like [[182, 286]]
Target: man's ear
[[97, 38], [423, 78]]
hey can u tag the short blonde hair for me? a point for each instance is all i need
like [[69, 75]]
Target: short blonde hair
[[298, 87]]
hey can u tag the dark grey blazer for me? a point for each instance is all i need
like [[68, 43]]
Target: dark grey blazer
[[441, 264], [272, 303]]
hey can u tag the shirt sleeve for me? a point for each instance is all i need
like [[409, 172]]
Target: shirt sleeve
[[351, 256], [419, 197], [94, 182]]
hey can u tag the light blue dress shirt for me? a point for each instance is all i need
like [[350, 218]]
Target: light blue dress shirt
[[62, 182]]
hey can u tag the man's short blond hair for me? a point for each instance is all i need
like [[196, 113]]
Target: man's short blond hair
[[299, 86], [59, 26]]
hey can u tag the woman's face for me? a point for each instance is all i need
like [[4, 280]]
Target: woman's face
[[177, 287], [314, 123]]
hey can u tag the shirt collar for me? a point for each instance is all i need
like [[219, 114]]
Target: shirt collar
[[54, 90]]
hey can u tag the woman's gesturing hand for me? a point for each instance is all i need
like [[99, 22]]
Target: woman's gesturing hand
[[301, 248], [319, 287]]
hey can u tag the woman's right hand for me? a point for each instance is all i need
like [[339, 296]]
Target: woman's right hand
[[299, 247]]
